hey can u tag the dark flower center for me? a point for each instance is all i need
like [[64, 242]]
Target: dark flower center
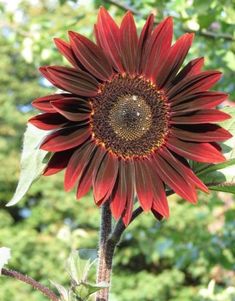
[[130, 116]]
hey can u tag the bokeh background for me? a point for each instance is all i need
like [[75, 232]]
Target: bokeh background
[[191, 256]]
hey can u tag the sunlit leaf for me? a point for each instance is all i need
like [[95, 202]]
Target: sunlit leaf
[[66, 295], [5, 255], [80, 263], [33, 161]]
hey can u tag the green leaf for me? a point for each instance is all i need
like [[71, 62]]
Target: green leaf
[[80, 263], [229, 58], [205, 20], [33, 161], [5, 255], [221, 177], [66, 295], [79, 266], [85, 289]]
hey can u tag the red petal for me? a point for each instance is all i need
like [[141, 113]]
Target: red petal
[[199, 100], [128, 212], [157, 48], [174, 60], [108, 36], [196, 117], [105, 178], [192, 68], [118, 202], [144, 185], [58, 162], [183, 168], [85, 180], [201, 152], [79, 160], [65, 139], [66, 49], [48, 121], [97, 37], [72, 80], [207, 133], [91, 56], [99, 43], [74, 109], [195, 83], [159, 203], [130, 182], [44, 103], [128, 43], [44, 71], [174, 179], [143, 41]]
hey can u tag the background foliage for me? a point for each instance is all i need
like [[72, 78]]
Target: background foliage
[[191, 256]]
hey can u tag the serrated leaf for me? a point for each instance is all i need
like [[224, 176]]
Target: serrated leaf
[[66, 295], [221, 177], [33, 161], [80, 263]]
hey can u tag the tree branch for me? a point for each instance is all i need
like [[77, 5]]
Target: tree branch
[[204, 33], [36, 285], [211, 35], [124, 6]]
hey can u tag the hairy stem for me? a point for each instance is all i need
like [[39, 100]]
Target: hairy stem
[[36, 285], [108, 242], [106, 251]]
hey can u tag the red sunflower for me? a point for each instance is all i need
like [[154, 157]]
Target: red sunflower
[[131, 116]]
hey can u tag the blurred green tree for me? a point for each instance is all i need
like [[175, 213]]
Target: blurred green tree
[[168, 261]]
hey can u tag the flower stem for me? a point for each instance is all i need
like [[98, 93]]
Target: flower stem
[[36, 285], [108, 241], [106, 251]]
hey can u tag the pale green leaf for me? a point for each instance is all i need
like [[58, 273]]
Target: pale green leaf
[[85, 289], [66, 295], [33, 161], [80, 263], [229, 58], [5, 255]]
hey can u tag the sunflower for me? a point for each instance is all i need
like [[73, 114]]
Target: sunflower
[[130, 117]]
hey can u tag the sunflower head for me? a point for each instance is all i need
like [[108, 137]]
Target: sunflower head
[[129, 116]]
